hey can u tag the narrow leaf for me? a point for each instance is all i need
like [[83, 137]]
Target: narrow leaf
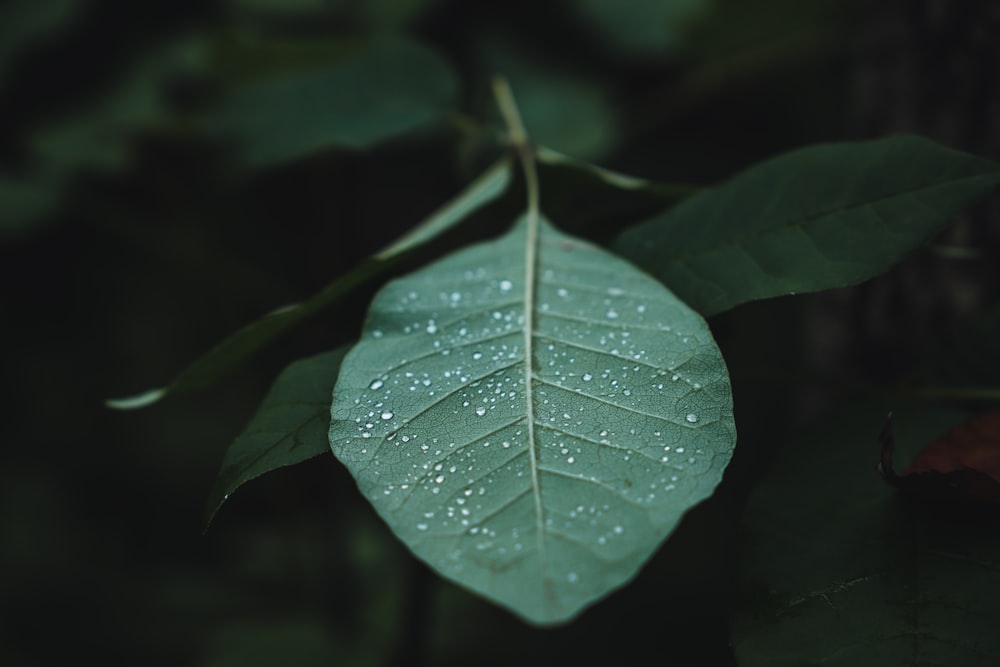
[[485, 189], [840, 570], [820, 217], [533, 432], [289, 427], [388, 89], [235, 349]]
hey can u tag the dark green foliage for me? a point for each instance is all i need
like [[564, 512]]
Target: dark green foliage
[[170, 172]]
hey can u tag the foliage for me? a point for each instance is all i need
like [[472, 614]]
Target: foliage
[[541, 340]]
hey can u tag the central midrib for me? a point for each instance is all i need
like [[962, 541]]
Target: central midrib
[[530, 260]]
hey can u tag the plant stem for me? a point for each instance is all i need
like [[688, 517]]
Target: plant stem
[[522, 144], [526, 153]]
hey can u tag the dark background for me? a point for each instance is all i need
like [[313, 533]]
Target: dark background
[[145, 242]]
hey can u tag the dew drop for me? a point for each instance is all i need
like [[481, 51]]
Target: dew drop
[[386, 415], [377, 384], [587, 377], [421, 526], [612, 314], [692, 418], [506, 285], [477, 356], [482, 411]]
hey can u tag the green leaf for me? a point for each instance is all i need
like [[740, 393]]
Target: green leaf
[[642, 27], [235, 349], [289, 427], [533, 430], [388, 89], [846, 573], [819, 217]]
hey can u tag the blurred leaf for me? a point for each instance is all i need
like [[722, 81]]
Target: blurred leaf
[[819, 217], [240, 58], [99, 137], [26, 22], [847, 574], [957, 475], [533, 436], [642, 27], [289, 427], [972, 445], [563, 109], [390, 88], [235, 349]]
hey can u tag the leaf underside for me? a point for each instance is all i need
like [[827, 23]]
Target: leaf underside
[[537, 466]]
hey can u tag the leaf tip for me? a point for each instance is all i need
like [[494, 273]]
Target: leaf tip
[[137, 401]]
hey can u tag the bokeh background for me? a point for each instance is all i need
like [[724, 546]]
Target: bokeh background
[[165, 180]]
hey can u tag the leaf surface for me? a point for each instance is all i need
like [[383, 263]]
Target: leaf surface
[[227, 355], [843, 571], [289, 426], [815, 218], [533, 431]]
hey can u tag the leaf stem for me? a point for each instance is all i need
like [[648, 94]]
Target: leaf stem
[[526, 153], [522, 144]]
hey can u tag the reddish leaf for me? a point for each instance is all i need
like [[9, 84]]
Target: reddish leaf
[[959, 471], [972, 445]]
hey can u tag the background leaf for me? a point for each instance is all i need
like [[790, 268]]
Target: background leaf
[[642, 27], [390, 88], [289, 426], [542, 478], [819, 217], [844, 572]]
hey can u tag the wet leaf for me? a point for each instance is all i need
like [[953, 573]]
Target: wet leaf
[[839, 570], [815, 218], [533, 431]]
